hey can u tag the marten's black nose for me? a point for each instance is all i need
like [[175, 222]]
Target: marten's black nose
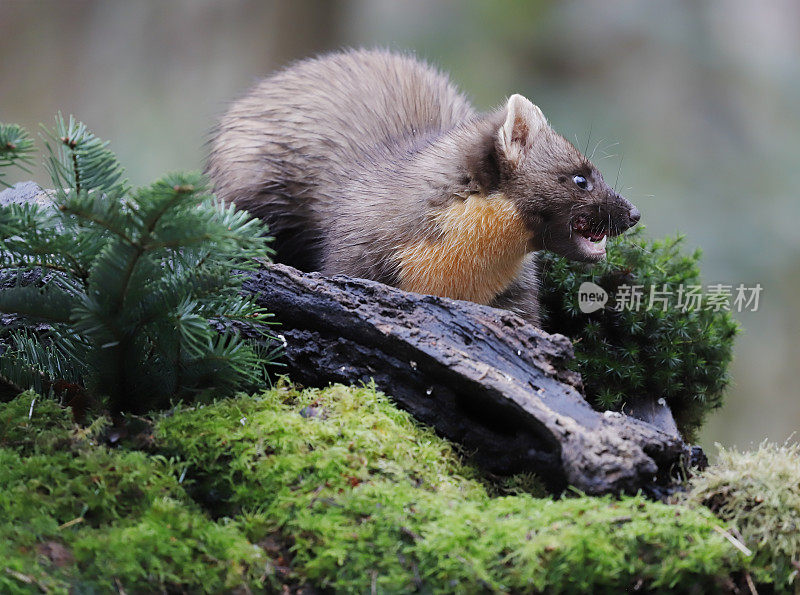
[[634, 215]]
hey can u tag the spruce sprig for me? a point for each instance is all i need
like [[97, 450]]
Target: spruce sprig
[[16, 148], [123, 291], [79, 161]]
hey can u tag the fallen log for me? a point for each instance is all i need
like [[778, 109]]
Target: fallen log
[[480, 376]]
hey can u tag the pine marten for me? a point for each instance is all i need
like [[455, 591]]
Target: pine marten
[[372, 164]]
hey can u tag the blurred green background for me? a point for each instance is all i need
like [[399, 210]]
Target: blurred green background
[[699, 103]]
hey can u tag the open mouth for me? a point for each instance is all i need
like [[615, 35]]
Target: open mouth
[[590, 241]]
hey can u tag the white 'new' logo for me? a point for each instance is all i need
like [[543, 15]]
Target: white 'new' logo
[[591, 297]]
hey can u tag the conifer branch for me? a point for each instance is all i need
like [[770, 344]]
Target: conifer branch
[[16, 148], [129, 282]]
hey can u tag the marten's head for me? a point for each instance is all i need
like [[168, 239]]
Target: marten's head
[[561, 196]]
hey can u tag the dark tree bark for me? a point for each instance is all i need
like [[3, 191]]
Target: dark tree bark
[[480, 376]]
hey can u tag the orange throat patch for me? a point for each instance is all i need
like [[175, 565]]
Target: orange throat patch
[[479, 250]]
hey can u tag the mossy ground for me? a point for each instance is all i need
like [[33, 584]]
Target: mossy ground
[[366, 498], [758, 493], [78, 516]]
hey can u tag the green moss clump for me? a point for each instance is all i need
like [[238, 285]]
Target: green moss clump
[[171, 546], [758, 493], [30, 423], [365, 498], [78, 517], [679, 355], [371, 500]]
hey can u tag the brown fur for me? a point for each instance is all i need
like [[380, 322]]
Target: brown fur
[[372, 164]]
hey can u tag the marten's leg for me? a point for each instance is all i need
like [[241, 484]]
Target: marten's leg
[[522, 296]]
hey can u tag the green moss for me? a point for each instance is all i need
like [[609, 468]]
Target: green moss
[[171, 545], [76, 515], [365, 498], [679, 355], [372, 500], [758, 493], [30, 423]]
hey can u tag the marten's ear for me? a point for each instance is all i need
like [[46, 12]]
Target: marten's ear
[[523, 122]]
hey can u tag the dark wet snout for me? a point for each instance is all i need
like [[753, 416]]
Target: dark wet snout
[[626, 215]]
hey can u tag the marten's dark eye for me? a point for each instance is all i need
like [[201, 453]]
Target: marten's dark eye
[[582, 182]]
